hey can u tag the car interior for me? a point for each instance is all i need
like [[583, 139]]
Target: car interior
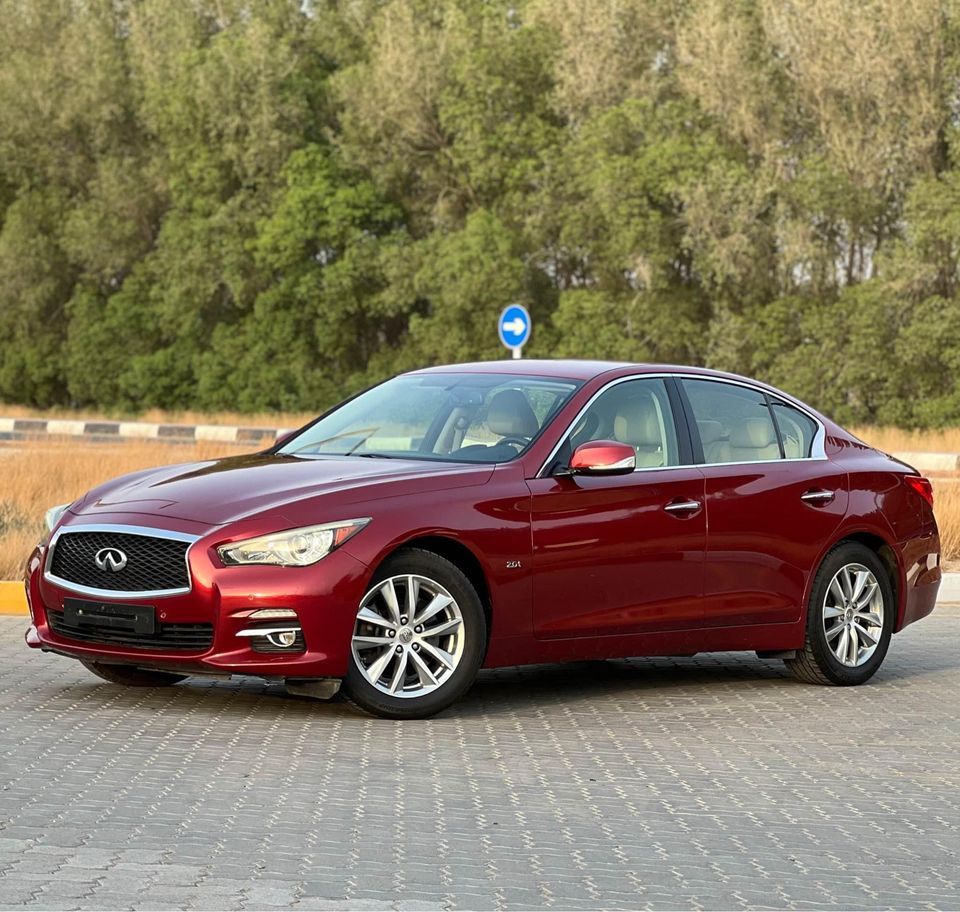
[[510, 418], [634, 417], [744, 440], [736, 425]]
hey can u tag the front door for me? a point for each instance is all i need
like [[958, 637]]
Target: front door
[[621, 555]]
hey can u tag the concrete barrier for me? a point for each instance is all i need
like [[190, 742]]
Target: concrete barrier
[[24, 428], [931, 462], [949, 588]]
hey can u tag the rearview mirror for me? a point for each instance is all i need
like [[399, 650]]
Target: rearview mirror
[[603, 457]]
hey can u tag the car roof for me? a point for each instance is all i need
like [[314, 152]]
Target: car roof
[[531, 367], [572, 369]]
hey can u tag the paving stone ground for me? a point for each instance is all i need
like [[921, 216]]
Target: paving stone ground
[[715, 782]]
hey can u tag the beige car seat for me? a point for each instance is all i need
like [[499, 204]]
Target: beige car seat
[[752, 439], [638, 425], [510, 415], [714, 449]]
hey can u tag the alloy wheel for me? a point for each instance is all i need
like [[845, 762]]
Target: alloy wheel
[[853, 614], [408, 637]]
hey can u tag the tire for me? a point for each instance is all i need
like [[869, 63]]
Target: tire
[[832, 614], [130, 676], [394, 681]]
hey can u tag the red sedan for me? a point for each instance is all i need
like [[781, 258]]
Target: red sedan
[[498, 514]]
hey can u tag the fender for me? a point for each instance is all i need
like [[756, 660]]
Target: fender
[[495, 530], [846, 531]]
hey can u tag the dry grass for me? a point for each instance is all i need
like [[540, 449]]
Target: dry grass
[[897, 440], [946, 500], [35, 476]]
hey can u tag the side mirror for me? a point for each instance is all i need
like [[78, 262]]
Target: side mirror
[[283, 436], [603, 457]]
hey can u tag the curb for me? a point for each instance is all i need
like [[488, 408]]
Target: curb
[[20, 428], [13, 600]]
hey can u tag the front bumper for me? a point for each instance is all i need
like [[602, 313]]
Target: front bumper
[[323, 596]]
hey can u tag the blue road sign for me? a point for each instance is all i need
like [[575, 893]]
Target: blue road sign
[[514, 328]]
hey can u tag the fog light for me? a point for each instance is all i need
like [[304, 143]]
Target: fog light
[[284, 638], [274, 638]]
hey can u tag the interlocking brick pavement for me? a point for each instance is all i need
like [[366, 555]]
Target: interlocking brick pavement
[[715, 782]]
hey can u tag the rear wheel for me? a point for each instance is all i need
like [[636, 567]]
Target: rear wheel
[[132, 677], [418, 638], [849, 619]]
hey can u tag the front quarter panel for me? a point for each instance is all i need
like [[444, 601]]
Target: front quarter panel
[[491, 520]]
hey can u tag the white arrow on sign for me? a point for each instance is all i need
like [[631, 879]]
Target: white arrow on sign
[[515, 326]]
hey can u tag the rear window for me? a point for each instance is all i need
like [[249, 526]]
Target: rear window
[[734, 422], [797, 430]]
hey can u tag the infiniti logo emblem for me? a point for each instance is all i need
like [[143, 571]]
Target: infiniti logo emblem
[[112, 559]]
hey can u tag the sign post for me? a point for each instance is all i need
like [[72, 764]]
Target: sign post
[[514, 328]]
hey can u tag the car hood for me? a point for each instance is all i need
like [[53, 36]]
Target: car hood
[[239, 487]]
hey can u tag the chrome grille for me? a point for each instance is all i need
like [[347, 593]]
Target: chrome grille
[[153, 563]]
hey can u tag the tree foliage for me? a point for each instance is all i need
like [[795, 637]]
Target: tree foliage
[[252, 205]]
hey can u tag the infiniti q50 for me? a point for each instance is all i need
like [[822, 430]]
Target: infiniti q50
[[493, 514]]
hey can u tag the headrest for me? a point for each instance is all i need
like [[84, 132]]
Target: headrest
[[753, 433], [710, 431], [636, 423], [510, 415]]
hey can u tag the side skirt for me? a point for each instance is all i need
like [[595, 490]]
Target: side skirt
[[772, 640]]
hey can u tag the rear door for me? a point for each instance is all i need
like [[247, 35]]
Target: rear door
[[621, 554], [772, 499]]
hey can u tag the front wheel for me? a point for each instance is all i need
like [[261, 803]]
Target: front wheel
[[418, 640], [132, 677], [849, 619]]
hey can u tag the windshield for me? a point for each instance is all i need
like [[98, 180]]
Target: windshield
[[447, 417]]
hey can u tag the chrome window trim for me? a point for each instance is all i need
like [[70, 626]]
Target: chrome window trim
[[146, 531], [817, 447]]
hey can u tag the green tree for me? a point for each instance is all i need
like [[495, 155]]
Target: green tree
[[249, 205]]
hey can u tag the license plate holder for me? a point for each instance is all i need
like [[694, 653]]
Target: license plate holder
[[131, 618]]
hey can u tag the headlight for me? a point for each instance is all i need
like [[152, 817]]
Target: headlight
[[293, 547], [52, 516]]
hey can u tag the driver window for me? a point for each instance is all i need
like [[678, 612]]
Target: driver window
[[635, 412]]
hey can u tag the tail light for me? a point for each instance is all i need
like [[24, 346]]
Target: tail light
[[922, 486]]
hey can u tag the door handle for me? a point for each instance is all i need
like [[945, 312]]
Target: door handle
[[817, 497], [683, 506]]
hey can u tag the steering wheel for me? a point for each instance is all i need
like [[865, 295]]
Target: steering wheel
[[514, 440]]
